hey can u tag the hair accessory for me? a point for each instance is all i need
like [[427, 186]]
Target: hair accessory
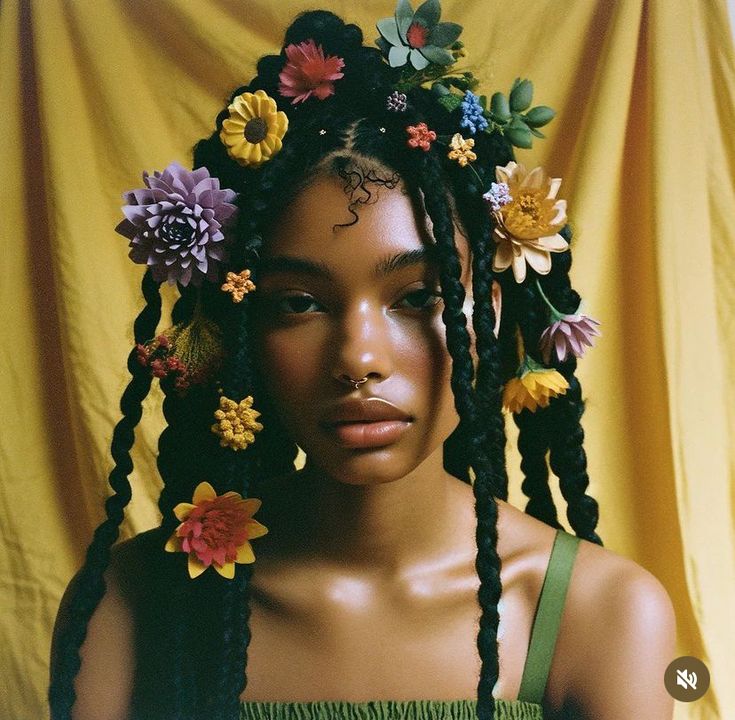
[[461, 150], [351, 381], [255, 128], [418, 36], [420, 136], [236, 423], [527, 227], [189, 352], [308, 72], [497, 196], [174, 224], [567, 333], [238, 285], [473, 114], [396, 101], [216, 530]]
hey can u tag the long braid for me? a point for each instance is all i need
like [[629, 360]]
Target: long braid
[[90, 585], [488, 561]]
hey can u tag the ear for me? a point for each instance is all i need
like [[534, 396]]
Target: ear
[[497, 305]]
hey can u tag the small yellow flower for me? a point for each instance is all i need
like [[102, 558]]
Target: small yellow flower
[[238, 284], [461, 149], [236, 423], [533, 387], [254, 131]]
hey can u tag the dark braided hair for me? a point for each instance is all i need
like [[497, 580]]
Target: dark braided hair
[[364, 144]]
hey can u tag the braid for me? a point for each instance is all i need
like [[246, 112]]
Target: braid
[[91, 586], [488, 561]]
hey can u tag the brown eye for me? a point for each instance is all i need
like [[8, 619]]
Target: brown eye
[[421, 299], [297, 305]]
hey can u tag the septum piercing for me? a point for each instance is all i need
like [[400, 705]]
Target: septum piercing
[[355, 383]]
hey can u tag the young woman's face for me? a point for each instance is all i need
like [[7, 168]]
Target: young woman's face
[[355, 302]]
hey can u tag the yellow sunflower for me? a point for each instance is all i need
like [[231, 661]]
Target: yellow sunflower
[[254, 131], [533, 387], [527, 227]]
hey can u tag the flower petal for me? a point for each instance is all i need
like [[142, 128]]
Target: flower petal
[[182, 510], [195, 566], [204, 491], [226, 571], [245, 553]]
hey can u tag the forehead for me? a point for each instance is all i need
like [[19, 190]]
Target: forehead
[[318, 224]]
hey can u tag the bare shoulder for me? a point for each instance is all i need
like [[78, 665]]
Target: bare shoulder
[[104, 683]]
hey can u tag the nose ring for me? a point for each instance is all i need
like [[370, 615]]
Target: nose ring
[[351, 381]]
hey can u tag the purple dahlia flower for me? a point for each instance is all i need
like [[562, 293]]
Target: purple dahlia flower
[[570, 333], [174, 224]]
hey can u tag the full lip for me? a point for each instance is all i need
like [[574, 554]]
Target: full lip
[[364, 411]]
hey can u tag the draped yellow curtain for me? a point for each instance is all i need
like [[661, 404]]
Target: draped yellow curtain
[[92, 92]]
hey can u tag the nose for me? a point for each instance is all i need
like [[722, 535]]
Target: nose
[[362, 346]]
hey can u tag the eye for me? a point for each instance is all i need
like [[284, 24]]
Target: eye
[[421, 299], [297, 305]]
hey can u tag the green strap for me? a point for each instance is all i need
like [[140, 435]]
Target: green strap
[[548, 617]]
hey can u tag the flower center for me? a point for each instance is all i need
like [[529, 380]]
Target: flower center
[[417, 35], [256, 130], [177, 231], [526, 216]]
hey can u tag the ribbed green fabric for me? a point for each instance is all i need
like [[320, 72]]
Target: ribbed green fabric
[[533, 683], [386, 710], [548, 617]]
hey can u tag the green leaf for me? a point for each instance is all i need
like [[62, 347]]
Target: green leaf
[[518, 133], [450, 102], [515, 84], [537, 133], [444, 34], [389, 30], [483, 102], [521, 96], [428, 13], [499, 107], [404, 17], [437, 55], [439, 89], [539, 116]]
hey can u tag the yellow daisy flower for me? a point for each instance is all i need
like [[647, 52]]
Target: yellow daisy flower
[[236, 423], [461, 149], [254, 131], [533, 387]]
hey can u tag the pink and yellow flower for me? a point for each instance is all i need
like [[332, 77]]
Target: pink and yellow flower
[[527, 228], [216, 530], [308, 72]]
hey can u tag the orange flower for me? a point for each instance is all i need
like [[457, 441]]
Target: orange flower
[[533, 387], [216, 530], [238, 284]]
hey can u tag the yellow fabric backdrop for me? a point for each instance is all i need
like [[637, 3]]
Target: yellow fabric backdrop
[[94, 91]]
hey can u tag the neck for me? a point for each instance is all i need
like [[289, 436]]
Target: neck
[[383, 525]]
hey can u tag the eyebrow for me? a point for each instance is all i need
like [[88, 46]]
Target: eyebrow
[[314, 268]]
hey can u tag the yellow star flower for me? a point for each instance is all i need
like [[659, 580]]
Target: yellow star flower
[[461, 150], [236, 423]]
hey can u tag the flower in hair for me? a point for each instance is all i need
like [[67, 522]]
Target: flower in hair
[[533, 387], [254, 131], [497, 196], [461, 150], [216, 530], [308, 72], [397, 101], [527, 228], [238, 285], [190, 353], [236, 423], [420, 136], [417, 37], [175, 224], [473, 114], [567, 333]]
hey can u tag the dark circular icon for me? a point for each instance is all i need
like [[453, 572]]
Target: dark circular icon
[[686, 678]]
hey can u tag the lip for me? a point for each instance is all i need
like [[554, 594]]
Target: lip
[[370, 423], [371, 410]]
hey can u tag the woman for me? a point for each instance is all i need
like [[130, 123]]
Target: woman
[[372, 337]]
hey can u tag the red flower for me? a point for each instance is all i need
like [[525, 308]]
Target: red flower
[[308, 72], [216, 530], [421, 136]]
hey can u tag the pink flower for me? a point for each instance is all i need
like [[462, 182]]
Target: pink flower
[[570, 333], [420, 136], [308, 72], [216, 530]]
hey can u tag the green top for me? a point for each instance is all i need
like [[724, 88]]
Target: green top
[[533, 683]]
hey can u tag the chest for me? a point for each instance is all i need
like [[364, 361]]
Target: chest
[[357, 645]]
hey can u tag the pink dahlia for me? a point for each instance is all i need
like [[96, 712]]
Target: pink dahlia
[[308, 72], [216, 530], [174, 224]]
